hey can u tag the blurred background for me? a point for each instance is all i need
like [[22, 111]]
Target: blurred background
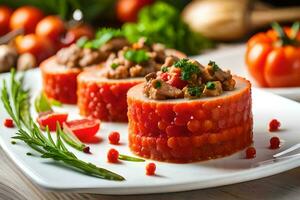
[[189, 26]]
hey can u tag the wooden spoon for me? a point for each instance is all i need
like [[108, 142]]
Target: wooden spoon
[[228, 20]]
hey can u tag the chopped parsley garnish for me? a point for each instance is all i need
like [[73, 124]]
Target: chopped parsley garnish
[[215, 67], [210, 85], [137, 56], [195, 91], [157, 84], [81, 42], [164, 69], [187, 69], [102, 36], [114, 65]]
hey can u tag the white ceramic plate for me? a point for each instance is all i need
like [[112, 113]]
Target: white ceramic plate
[[170, 177], [233, 58]]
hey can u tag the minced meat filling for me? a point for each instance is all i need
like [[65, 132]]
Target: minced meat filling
[[136, 60], [187, 78]]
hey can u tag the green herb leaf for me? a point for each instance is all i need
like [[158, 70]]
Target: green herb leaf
[[187, 69], [114, 66], [81, 42], [69, 137], [42, 104], [54, 102], [210, 85], [164, 69], [157, 84], [195, 91], [130, 158], [137, 56], [215, 67]]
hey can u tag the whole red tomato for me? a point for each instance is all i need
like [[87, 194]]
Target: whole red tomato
[[5, 14], [51, 27], [40, 47], [273, 58], [76, 32], [26, 17], [127, 10]]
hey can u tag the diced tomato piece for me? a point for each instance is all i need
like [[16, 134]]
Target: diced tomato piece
[[113, 156], [150, 169], [50, 119], [176, 81], [250, 152], [114, 137], [165, 76], [274, 125], [9, 123], [84, 129]]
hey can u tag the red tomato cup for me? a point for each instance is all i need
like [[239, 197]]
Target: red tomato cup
[[187, 130]]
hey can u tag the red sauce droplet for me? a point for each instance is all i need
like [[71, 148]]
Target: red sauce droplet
[[9, 123], [113, 156], [114, 137], [250, 152], [274, 125], [274, 143], [150, 169]]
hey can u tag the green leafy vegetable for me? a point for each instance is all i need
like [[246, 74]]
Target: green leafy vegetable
[[164, 69], [137, 56], [161, 23], [71, 139], [18, 109], [129, 158], [187, 69], [42, 104], [210, 85], [195, 91], [82, 41]]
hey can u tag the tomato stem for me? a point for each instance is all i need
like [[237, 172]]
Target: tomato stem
[[283, 37]]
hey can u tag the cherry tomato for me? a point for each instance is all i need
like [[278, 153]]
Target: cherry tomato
[[50, 119], [5, 14], [26, 17], [273, 57], [84, 129], [113, 156], [274, 143], [9, 123], [250, 152], [40, 47], [51, 27], [114, 137], [76, 32], [150, 169], [274, 125], [127, 10]]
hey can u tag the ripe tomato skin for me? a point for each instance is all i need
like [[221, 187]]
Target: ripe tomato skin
[[40, 47], [127, 10], [272, 64], [114, 137], [9, 123], [50, 120], [84, 129], [150, 169], [5, 14], [113, 156], [76, 32], [51, 27], [26, 17], [282, 68]]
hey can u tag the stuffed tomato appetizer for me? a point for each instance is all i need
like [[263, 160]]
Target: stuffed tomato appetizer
[[187, 112], [60, 72], [102, 93]]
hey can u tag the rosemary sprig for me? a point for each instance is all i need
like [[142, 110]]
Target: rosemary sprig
[[17, 106]]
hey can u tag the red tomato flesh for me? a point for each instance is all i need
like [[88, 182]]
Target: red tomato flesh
[[9, 123], [84, 129], [50, 120]]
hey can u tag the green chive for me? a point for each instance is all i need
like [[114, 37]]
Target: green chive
[[210, 85], [130, 158]]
